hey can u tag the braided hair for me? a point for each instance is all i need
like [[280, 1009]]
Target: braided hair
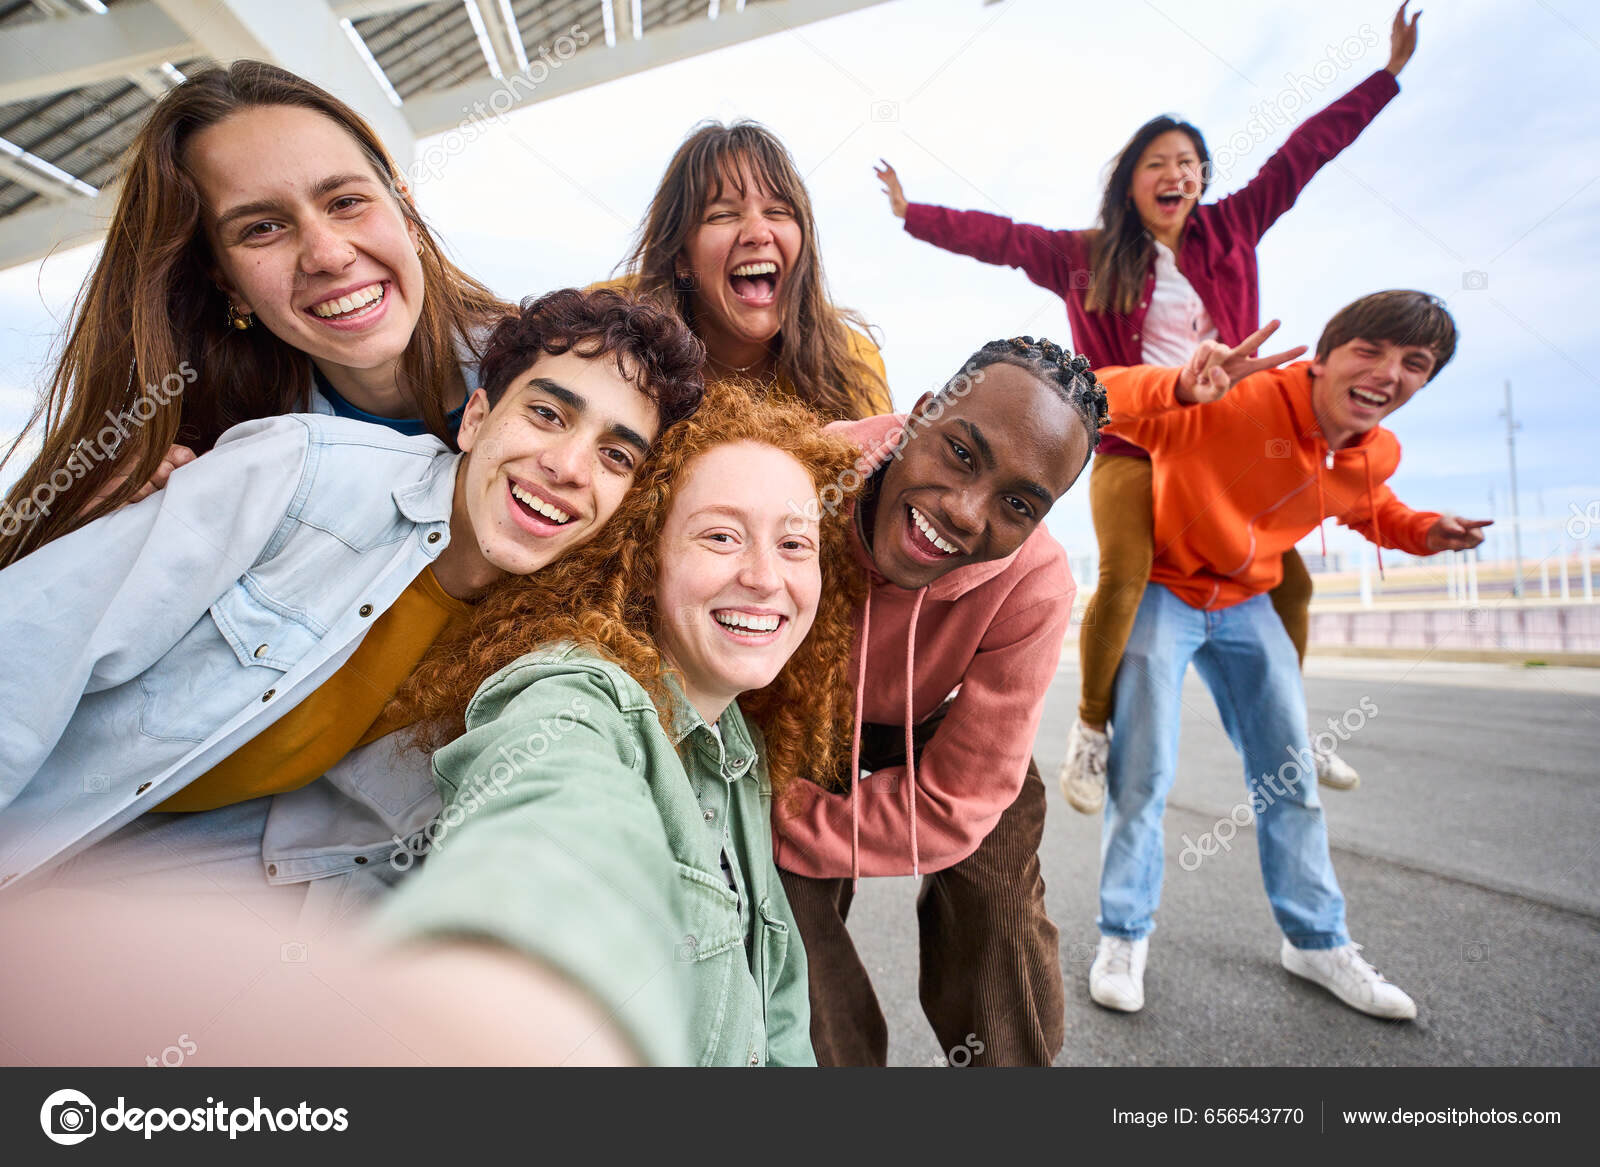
[[1063, 370]]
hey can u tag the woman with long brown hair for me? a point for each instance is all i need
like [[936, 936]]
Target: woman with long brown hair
[[608, 806], [1158, 276], [730, 241], [264, 257]]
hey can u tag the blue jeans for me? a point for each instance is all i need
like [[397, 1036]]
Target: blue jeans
[[1247, 661]]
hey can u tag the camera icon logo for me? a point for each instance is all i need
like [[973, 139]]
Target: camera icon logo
[[67, 1117], [1279, 448], [1474, 281], [886, 111], [1475, 952], [294, 952], [96, 783], [885, 783], [1082, 953], [687, 947]]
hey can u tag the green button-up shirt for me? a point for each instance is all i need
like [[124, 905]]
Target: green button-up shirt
[[577, 830]]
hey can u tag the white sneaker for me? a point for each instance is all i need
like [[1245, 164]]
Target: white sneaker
[[1083, 774], [1334, 772], [1116, 978], [1347, 975]]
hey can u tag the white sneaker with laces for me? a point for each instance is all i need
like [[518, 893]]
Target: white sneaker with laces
[[1116, 978], [1345, 973], [1083, 774], [1334, 772]]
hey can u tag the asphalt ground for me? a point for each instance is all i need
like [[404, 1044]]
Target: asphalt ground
[[1469, 857]]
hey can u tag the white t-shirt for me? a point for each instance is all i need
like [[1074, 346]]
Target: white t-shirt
[[1177, 321]]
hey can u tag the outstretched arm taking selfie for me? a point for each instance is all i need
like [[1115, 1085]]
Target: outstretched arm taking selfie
[[553, 848]]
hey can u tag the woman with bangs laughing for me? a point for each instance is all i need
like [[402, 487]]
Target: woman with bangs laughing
[[730, 242]]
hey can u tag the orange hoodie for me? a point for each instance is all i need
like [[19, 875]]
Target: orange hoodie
[[1239, 481], [994, 630]]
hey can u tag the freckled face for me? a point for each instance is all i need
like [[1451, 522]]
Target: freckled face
[[740, 576]]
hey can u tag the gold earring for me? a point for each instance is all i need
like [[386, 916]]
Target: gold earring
[[239, 320]]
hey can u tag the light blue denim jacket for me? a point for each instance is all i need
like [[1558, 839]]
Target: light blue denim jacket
[[142, 649]]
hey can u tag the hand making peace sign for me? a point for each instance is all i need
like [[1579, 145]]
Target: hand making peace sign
[[1214, 368]]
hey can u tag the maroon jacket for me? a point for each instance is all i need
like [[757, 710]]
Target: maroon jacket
[[1216, 253]]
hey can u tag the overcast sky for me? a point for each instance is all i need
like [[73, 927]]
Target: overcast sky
[[1480, 182]]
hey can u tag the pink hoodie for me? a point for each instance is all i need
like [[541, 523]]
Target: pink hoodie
[[995, 630]]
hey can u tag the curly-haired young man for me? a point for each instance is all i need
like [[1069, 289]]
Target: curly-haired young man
[[210, 668]]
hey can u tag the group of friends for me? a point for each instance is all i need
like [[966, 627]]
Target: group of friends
[[621, 632]]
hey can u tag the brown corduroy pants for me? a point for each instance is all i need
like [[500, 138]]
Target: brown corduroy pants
[[991, 962], [1121, 504]]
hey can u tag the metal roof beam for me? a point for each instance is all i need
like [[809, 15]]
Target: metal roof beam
[[501, 23], [38, 229], [361, 9], [41, 57], [41, 177], [303, 36], [435, 112]]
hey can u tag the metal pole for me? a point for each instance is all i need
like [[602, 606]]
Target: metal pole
[[1516, 524], [1494, 536]]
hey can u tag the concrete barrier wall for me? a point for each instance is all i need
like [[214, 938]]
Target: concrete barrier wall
[[1507, 627]]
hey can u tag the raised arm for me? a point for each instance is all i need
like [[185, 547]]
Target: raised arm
[[1048, 258], [1317, 141], [1146, 404]]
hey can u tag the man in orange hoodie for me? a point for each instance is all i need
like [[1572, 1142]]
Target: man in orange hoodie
[[1250, 458], [970, 595]]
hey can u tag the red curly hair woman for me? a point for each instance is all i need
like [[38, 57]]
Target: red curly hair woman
[[607, 809]]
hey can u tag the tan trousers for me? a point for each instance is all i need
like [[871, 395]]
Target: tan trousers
[[1121, 502]]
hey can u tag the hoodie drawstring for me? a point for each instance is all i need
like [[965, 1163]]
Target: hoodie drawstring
[[1322, 511], [855, 751], [1372, 501], [911, 756], [1372, 504]]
